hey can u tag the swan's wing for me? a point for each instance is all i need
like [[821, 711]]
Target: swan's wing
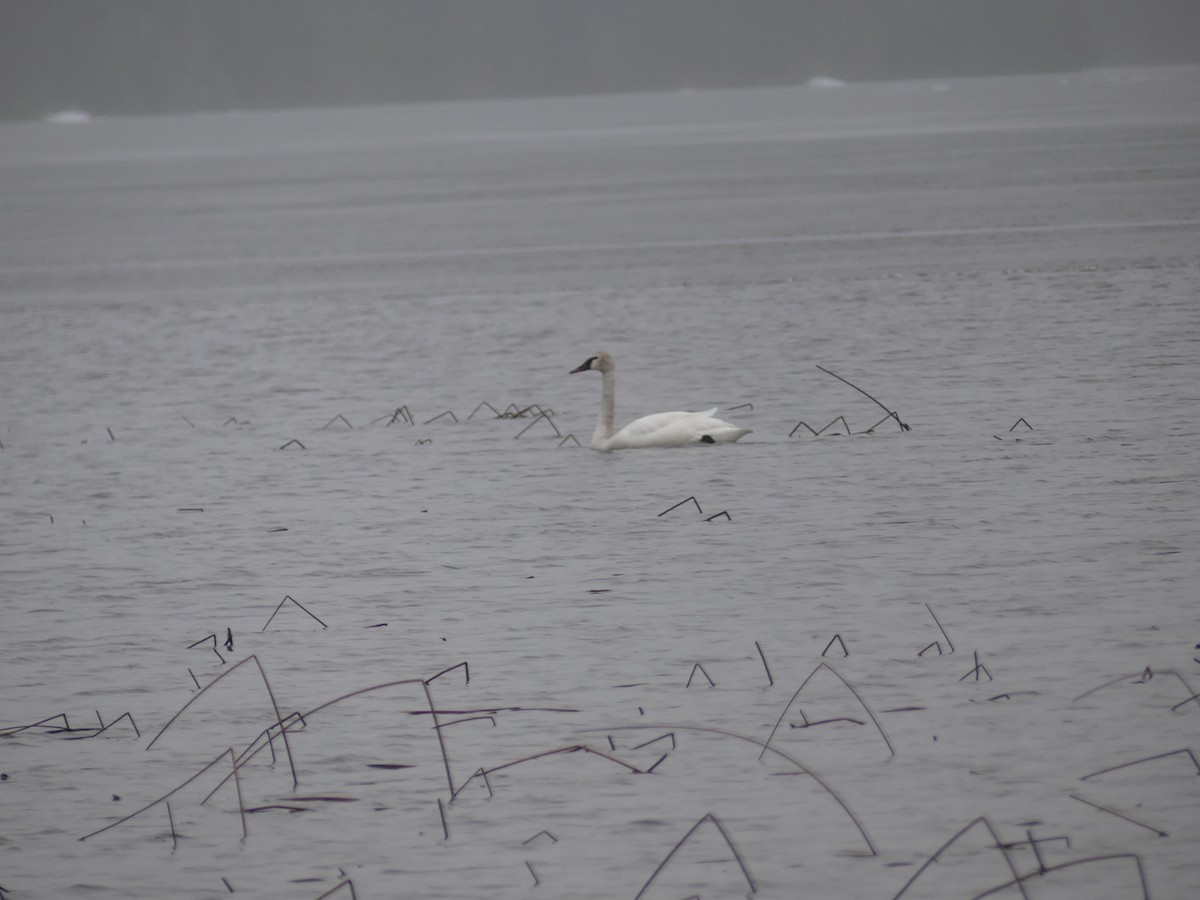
[[669, 429]]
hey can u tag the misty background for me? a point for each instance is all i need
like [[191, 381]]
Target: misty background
[[148, 56]]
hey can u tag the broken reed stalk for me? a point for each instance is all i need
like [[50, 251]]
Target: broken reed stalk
[[982, 820], [540, 417], [1019, 880], [837, 638], [213, 638], [662, 737], [447, 412], [979, 667], [937, 621], [481, 406], [536, 880], [1119, 815], [1141, 678], [699, 667], [1019, 421], [680, 503], [801, 768], [559, 751], [343, 884], [9, 732], [1138, 762], [171, 820], [175, 790], [105, 728], [763, 657], [270, 693], [442, 814], [816, 433], [891, 412], [707, 817], [437, 729], [464, 665], [279, 607], [849, 687], [334, 419], [400, 413]]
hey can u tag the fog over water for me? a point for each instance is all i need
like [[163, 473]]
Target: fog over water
[[144, 56]]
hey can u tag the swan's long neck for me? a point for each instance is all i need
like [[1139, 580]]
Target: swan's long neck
[[604, 421]]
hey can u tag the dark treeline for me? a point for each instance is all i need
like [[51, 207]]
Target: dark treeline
[[149, 56]]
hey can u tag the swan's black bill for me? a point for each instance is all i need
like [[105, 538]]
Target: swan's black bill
[[586, 365]]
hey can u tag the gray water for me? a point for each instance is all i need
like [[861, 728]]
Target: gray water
[[1009, 264]]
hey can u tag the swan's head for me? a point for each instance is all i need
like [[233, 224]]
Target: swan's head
[[599, 362]]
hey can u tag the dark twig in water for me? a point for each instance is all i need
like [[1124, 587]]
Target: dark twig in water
[[536, 880], [903, 426], [710, 818], [293, 441], [680, 503], [749, 406], [442, 814], [447, 412], [570, 437], [929, 647], [1018, 422], [700, 668], [723, 512], [334, 419], [277, 608]]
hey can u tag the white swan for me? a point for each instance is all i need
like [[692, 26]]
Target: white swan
[[665, 429]]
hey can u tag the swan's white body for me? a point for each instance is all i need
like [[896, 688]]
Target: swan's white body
[[665, 429]]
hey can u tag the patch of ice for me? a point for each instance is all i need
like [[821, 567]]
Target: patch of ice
[[69, 117]]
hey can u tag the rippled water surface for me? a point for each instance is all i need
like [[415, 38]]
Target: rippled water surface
[[247, 357]]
